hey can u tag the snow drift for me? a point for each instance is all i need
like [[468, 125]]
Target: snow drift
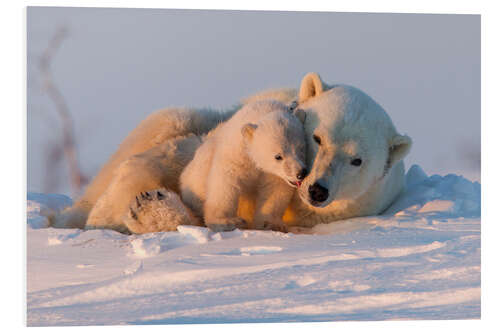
[[418, 260]]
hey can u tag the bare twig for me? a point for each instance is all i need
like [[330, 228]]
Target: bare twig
[[77, 179], [54, 155]]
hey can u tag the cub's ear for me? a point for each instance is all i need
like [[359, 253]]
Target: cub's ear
[[300, 114], [399, 147], [247, 131], [311, 86]]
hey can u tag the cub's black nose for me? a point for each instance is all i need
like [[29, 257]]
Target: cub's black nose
[[302, 174], [318, 193]]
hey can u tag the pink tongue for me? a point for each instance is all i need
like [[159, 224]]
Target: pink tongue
[[298, 183]]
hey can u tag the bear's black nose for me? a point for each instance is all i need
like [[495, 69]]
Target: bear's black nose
[[318, 193], [302, 174]]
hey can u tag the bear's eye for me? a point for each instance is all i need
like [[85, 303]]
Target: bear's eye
[[278, 157], [356, 162], [317, 139]]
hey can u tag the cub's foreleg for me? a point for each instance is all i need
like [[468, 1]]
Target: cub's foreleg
[[221, 205], [273, 197]]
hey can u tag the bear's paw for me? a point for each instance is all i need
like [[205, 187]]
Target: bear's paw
[[158, 211]]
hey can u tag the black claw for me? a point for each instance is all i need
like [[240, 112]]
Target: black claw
[[143, 195], [137, 202], [160, 195], [133, 214]]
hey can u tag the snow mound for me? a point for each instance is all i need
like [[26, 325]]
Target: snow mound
[[450, 195], [40, 206], [418, 260], [148, 245]]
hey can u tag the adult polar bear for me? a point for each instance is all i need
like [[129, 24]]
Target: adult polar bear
[[353, 149]]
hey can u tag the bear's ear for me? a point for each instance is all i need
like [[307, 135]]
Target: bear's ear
[[311, 86], [399, 147], [247, 131], [300, 114]]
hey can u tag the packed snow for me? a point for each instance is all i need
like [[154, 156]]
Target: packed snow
[[419, 260]]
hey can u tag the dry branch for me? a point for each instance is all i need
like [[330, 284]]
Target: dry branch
[[68, 146]]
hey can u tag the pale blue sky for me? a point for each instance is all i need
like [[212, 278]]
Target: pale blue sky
[[119, 65]]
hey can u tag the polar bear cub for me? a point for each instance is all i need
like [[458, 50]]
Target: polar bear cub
[[260, 154]]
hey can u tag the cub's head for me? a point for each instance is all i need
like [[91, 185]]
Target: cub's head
[[351, 142], [276, 144]]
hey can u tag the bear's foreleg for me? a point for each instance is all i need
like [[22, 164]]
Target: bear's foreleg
[[157, 168]]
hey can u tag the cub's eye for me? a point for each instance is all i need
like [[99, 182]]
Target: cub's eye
[[278, 157], [317, 139], [356, 162]]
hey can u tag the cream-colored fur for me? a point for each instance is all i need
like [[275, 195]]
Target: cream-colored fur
[[157, 129], [158, 210], [159, 167], [349, 125], [259, 154], [348, 122]]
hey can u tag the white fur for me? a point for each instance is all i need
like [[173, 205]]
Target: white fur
[[238, 159], [131, 161], [158, 167], [350, 125], [348, 121]]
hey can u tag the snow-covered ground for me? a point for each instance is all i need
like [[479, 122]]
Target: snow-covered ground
[[420, 260]]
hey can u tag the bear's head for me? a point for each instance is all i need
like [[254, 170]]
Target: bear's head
[[276, 143], [351, 142]]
